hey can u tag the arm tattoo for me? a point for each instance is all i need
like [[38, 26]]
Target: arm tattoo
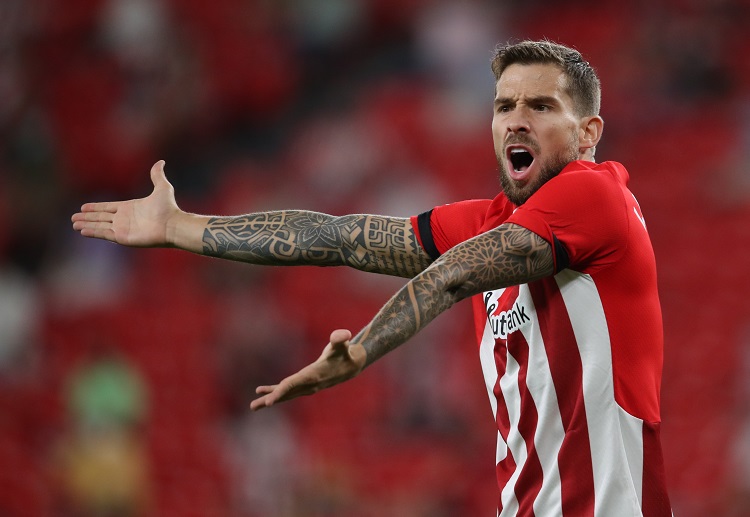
[[507, 255], [371, 243]]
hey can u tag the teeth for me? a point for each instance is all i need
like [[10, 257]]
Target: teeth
[[514, 151]]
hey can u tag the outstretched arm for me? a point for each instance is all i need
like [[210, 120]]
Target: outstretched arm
[[508, 255], [373, 243]]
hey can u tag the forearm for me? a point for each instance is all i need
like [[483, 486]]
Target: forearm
[[294, 237], [508, 255]]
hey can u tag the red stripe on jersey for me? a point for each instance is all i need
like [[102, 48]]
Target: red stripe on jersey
[[505, 467], [655, 502], [504, 471], [529, 481], [574, 458]]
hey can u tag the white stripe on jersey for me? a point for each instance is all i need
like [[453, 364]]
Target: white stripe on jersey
[[489, 369], [516, 443], [615, 436], [487, 359], [549, 434], [615, 493], [632, 438]]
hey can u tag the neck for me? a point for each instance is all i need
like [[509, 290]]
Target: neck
[[587, 155]]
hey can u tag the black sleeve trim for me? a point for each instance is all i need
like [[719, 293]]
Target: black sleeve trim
[[561, 254], [425, 234]]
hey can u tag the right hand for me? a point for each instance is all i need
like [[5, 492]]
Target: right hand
[[138, 222], [339, 362]]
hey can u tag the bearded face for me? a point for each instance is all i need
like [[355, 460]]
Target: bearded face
[[519, 154], [535, 128]]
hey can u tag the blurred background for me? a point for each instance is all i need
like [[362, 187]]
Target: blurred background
[[125, 375]]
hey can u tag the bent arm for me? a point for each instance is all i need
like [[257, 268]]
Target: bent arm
[[373, 243], [508, 255], [505, 256]]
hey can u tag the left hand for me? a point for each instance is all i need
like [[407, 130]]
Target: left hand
[[339, 362]]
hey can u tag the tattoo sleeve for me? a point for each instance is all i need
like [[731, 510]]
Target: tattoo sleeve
[[507, 255], [378, 244]]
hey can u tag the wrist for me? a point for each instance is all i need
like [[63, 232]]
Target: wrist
[[185, 231], [171, 229]]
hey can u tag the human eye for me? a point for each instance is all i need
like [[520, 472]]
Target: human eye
[[542, 108], [503, 108]]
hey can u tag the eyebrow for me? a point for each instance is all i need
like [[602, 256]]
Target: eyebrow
[[539, 99]]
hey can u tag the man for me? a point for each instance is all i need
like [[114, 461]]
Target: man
[[563, 281]]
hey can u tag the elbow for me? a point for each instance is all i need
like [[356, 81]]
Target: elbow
[[461, 291], [457, 284], [458, 290]]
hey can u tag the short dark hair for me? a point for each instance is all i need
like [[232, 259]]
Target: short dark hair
[[583, 85]]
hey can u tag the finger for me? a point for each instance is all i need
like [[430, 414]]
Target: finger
[[258, 404], [79, 225], [340, 336], [290, 388], [86, 229], [103, 221], [99, 233], [93, 217], [108, 206], [270, 395], [158, 176], [261, 402], [264, 390]]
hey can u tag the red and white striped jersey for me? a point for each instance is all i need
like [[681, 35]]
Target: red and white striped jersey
[[572, 362]]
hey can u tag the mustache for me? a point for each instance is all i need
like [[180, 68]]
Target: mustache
[[515, 139]]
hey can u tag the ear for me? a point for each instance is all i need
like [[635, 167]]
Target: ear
[[590, 133]]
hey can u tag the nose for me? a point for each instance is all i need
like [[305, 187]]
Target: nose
[[517, 122]]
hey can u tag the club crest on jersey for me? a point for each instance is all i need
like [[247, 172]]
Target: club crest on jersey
[[503, 323]]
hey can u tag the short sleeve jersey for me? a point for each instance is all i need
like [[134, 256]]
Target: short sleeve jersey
[[572, 362]]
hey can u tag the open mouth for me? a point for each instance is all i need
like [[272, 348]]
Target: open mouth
[[520, 159]]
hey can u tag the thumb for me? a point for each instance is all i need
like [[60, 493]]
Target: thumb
[[340, 337], [158, 177]]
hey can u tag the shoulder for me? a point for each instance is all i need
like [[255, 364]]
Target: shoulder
[[602, 175], [586, 208], [466, 215], [446, 225], [598, 186]]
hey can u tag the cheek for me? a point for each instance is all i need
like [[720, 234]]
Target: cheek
[[498, 133], [562, 136]]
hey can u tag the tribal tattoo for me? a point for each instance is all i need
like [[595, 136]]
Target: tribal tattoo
[[508, 255], [378, 244]]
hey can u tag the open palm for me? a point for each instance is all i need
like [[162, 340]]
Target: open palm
[[339, 362], [137, 222]]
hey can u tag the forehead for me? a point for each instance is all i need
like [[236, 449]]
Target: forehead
[[533, 80]]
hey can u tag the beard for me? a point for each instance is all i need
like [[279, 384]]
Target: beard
[[552, 166]]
